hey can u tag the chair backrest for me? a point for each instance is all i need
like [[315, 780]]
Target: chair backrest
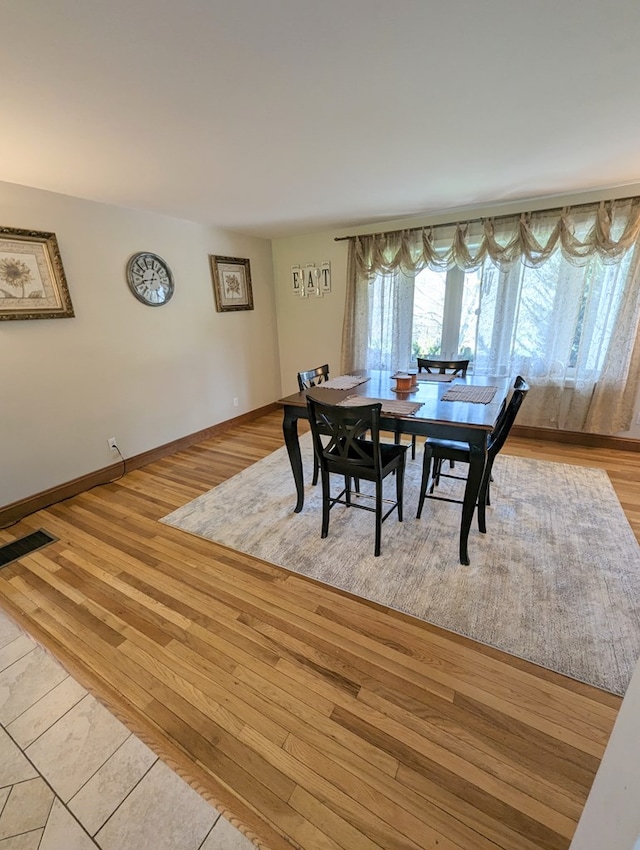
[[455, 367], [507, 416], [342, 429], [312, 377]]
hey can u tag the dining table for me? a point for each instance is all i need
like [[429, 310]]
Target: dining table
[[465, 421]]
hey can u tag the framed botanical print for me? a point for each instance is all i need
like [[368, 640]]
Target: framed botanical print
[[32, 280], [231, 283]]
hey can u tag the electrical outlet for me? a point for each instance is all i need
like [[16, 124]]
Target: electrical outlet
[[235, 402], [111, 442]]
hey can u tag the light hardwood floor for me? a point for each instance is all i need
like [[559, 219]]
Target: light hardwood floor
[[312, 719]]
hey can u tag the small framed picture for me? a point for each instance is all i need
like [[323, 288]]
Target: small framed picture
[[32, 280], [231, 283]]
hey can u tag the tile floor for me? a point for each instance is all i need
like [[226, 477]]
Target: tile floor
[[72, 777]]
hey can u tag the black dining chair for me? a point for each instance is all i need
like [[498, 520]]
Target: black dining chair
[[438, 450], [443, 367], [306, 380], [313, 377], [338, 444], [457, 368]]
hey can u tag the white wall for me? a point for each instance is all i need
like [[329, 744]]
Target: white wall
[[611, 817], [146, 375], [309, 329]]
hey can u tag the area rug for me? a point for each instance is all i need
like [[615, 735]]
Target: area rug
[[556, 579]]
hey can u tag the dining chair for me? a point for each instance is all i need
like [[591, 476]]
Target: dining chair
[[338, 444], [438, 450], [457, 368], [443, 367], [306, 380], [313, 377]]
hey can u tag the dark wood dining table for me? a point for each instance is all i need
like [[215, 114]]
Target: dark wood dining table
[[468, 422]]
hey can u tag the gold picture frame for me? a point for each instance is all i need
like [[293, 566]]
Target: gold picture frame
[[32, 280], [231, 283]]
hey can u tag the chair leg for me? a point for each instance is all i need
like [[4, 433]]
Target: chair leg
[[426, 469], [325, 504], [347, 489], [437, 467], [397, 438], [400, 489], [482, 504], [483, 499], [376, 551], [316, 470]]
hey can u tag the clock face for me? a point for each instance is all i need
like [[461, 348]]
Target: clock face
[[150, 279]]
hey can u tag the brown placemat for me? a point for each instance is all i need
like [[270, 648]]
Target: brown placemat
[[395, 407], [475, 395], [435, 376], [344, 382]]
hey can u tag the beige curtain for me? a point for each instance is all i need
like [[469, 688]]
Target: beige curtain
[[608, 228], [604, 231], [611, 406]]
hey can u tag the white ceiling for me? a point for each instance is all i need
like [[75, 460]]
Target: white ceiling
[[277, 117]]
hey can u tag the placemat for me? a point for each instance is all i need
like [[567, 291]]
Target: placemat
[[434, 376], [476, 395], [392, 406], [345, 382]]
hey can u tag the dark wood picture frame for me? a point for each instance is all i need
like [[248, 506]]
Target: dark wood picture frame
[[231, 283], [32, 280]]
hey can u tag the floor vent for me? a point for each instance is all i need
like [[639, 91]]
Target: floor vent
[[24, 545]]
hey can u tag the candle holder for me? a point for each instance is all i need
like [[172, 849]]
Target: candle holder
[[404, 382]]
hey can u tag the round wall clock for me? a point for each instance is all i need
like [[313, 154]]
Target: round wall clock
[[150, 279]]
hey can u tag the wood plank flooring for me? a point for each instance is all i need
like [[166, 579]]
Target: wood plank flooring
[[312, 719]]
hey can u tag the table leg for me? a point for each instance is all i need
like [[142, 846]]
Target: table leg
[[477, 460], [290, 431]]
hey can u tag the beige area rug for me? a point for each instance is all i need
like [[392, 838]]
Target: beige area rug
[[555, 580]]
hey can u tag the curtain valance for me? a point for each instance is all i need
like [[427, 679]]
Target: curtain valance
[[606, 228]]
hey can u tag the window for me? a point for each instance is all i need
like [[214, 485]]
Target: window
[[535, 320], [445, 314], [553, 295]]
